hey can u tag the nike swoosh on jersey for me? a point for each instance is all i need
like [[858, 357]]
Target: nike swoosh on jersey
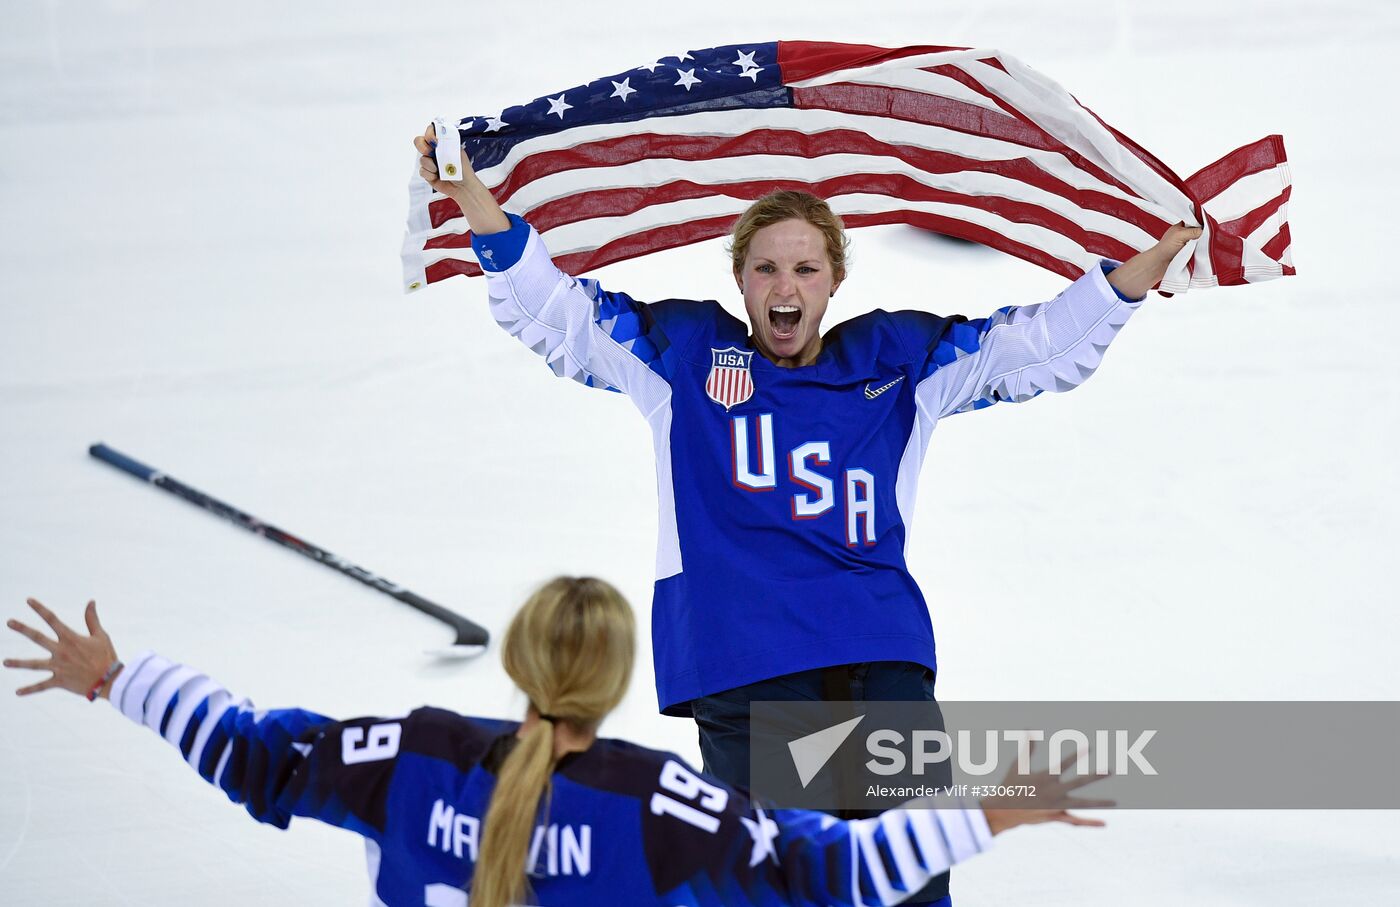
[[872, 394]]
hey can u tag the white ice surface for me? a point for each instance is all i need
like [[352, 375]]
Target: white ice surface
[[200, 213]]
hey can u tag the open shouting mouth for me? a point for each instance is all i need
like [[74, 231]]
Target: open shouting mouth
[[783, 320]]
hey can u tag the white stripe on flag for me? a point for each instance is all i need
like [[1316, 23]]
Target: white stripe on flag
[[1248, 193]]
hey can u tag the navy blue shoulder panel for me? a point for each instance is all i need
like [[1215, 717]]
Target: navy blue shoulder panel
[[458, 739]]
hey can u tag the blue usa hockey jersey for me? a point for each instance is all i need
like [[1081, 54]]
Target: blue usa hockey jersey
[[785, 493], [625, 824]]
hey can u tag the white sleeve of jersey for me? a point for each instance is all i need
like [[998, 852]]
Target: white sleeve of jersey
[[555, 315], [884, 859], [1025, 350], [174, 701]]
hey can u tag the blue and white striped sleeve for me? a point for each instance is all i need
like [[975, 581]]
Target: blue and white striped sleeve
[[598, 338], [271, 762], [881, 860], [1023, 351]]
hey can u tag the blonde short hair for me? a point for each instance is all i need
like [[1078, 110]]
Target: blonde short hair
[[790, 204]]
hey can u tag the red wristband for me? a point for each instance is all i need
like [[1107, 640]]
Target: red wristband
[[103, 681]]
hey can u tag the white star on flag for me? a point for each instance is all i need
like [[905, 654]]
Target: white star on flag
[[763, 832], [494, 123], [557, 105], [650, 67], [751, 74], [682, 57], [745, 60], [622, 89], [687, 78]]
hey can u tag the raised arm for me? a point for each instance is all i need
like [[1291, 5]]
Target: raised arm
[[483, 215], [1023, 351], [596, 337]]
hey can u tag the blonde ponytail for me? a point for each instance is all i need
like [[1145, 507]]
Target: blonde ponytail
[[570, 649]]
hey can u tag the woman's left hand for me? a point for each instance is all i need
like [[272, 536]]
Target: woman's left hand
[[1145, 270], [75, 661]]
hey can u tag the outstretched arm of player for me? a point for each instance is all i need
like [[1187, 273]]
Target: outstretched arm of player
[[278, 764], [888, 858], [598, 338], [702, 835], [1022, 351]]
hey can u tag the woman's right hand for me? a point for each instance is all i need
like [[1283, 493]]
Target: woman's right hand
[[471, 195], [427, 163]]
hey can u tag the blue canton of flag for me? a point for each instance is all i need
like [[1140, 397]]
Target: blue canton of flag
[[717, 78]]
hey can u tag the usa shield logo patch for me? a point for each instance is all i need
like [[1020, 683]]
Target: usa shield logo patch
[[730, 382]]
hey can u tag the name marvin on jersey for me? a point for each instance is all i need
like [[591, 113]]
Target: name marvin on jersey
[[555, 850]]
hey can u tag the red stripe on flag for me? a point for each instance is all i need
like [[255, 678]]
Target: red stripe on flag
[[994, 63], [1276, 246], [965, 78], [1248, 223], [801, 60], [1226, 252], [1213, 179]]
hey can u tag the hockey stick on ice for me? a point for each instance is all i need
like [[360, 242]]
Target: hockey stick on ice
[[471, 639]]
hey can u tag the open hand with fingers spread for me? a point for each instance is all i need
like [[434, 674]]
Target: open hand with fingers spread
[[80, 664], [1050, 802]]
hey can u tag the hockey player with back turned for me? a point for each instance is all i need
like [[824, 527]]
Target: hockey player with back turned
[[450, 805]]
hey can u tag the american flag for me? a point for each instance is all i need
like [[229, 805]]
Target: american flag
[[970, 143]]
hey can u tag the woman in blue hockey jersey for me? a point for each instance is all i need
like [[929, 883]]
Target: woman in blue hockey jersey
[[788, 459], [450, 804]]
